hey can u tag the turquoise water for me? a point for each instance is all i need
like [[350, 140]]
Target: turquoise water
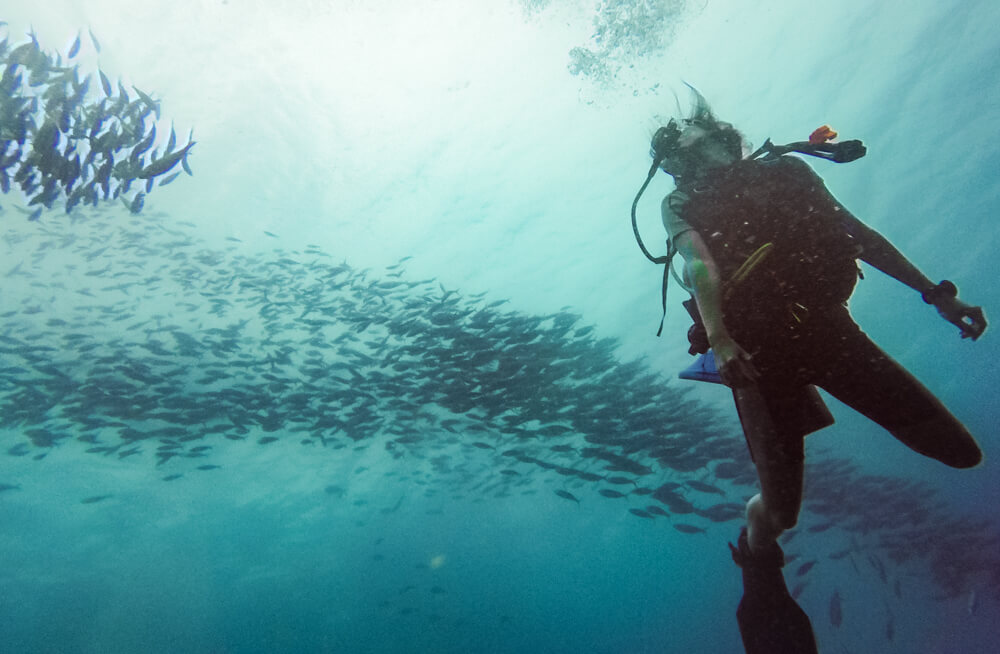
[[320, 395]]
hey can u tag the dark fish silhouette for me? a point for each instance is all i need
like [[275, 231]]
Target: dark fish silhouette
[[672, 499], [151, 104], [836, 611], [688, 529], [75, 48], [567, 495], [804, 568], [165, 163], [703, 487], [106, 85], [723, 512], [169, 178], [135, 205]]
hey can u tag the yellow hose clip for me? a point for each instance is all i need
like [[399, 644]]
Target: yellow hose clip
[[747, 267]]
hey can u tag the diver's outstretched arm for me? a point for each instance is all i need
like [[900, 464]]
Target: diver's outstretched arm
[[882, 254]]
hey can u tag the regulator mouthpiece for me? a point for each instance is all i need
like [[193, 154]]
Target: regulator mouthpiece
[[664, 142]]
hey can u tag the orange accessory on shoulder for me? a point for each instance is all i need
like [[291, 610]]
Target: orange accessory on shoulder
[[822, 135]]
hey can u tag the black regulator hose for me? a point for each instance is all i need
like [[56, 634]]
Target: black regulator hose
[[635, 226]]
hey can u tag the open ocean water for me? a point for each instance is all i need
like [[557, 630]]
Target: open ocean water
[[381, 375]]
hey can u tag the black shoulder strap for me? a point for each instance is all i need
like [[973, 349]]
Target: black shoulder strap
[[667, 267]]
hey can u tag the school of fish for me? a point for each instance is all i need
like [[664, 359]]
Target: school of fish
[[136, 339], [64, 142]]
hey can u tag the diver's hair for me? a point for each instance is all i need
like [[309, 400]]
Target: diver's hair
[[701, 114]]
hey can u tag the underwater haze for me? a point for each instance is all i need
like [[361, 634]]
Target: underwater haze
[[356, 351]]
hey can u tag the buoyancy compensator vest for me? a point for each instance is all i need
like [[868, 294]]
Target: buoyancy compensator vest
[[818, 146], [777, 236]]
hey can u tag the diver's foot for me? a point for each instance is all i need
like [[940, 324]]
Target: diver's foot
[[770, 555]]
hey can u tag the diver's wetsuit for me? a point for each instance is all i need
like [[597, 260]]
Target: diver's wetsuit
[[796, 346], [790, 313]]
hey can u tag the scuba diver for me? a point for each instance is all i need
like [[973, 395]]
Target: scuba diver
[[770, 260]]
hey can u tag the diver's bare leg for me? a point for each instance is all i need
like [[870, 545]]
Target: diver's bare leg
[[779, 464]]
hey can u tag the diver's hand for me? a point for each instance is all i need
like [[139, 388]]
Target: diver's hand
[[734, 363], [968, 319]]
